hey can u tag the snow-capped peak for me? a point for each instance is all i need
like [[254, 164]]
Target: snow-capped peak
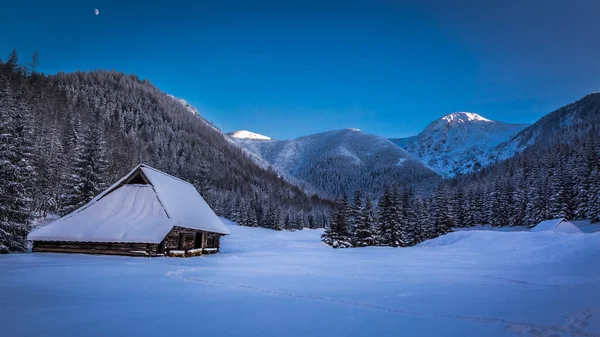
[[244, 134], [464, 117], [460, 142]]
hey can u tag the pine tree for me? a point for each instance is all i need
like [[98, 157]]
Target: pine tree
[[409, 231], [562, 200], [365, 233], [337, 235], [356, 212], [15, 170], [441, 212], [388, 219], [88, 176]]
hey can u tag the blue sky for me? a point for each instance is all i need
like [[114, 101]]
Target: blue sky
[[291, 68]]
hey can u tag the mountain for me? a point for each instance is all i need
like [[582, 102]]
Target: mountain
[[461, 142], [70, 131], [554, 172], [564, 125], [340, 161], [187, 105], [243, 134]]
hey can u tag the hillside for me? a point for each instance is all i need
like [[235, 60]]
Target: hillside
[[554, 171], [460, 143], [84, 130], [563, 125], [342, 160]]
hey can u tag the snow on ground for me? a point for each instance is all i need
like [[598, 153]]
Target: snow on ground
[[268, 283]]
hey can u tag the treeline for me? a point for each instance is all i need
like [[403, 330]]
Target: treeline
[[543, 182], [401, 219], [65, 137], [556, 176]]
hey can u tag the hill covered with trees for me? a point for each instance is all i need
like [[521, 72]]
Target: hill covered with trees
[[66, 137]]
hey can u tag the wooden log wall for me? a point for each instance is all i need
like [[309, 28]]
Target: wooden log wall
[[189, 238], [104, 248], [171, 242], [213, 240]]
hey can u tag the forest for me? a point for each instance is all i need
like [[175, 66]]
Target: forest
[[66, 137]]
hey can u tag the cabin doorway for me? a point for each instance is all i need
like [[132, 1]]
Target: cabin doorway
[[198, 240]]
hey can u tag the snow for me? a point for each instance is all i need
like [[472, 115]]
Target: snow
[[184, 205], [131, 213], [185, 104], [352, 154], [557, 225], [135, 213], [463, 117], [461, 142], [270, 283], [244, 134]]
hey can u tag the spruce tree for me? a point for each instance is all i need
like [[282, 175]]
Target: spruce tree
[[16, 171], [337, 235], [365, 233], [356, 211], [88, 175], [388, 217]]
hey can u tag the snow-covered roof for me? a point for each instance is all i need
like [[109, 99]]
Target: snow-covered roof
[[132, 212], [557, 225]]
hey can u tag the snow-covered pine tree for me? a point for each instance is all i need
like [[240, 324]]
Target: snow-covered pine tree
[[594, 196], [440, 209], [355, 213], [15, 170], [426, 227], [365, 233], [337, 235], [287, 222], [562, 201], [458, 207], [388, 219], [409, 229], [88, 175]]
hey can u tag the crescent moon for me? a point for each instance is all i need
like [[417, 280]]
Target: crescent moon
[[96, 11]]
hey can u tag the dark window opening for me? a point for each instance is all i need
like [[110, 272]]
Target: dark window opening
[[198, 240], [137, 179]]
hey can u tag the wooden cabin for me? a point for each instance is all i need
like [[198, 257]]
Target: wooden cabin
[[146, 213]]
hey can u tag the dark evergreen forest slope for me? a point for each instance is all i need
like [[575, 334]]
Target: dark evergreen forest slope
[[65, 137]]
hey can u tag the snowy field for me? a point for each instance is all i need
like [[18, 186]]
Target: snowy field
[[267, 283]]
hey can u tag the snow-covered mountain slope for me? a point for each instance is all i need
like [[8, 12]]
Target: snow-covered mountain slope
[[187, 105], [244, 134], [341, 160], [566, 124], [460, 142]]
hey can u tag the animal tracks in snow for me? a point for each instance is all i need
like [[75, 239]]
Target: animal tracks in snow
[[574, 326]]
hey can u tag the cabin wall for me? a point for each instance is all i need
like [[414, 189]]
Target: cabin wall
[[104, 248], [173, 239], [171, 242], [186, 236], [213, 240]]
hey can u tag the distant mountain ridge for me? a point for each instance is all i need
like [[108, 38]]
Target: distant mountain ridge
[[341, 160], [460, 142]]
